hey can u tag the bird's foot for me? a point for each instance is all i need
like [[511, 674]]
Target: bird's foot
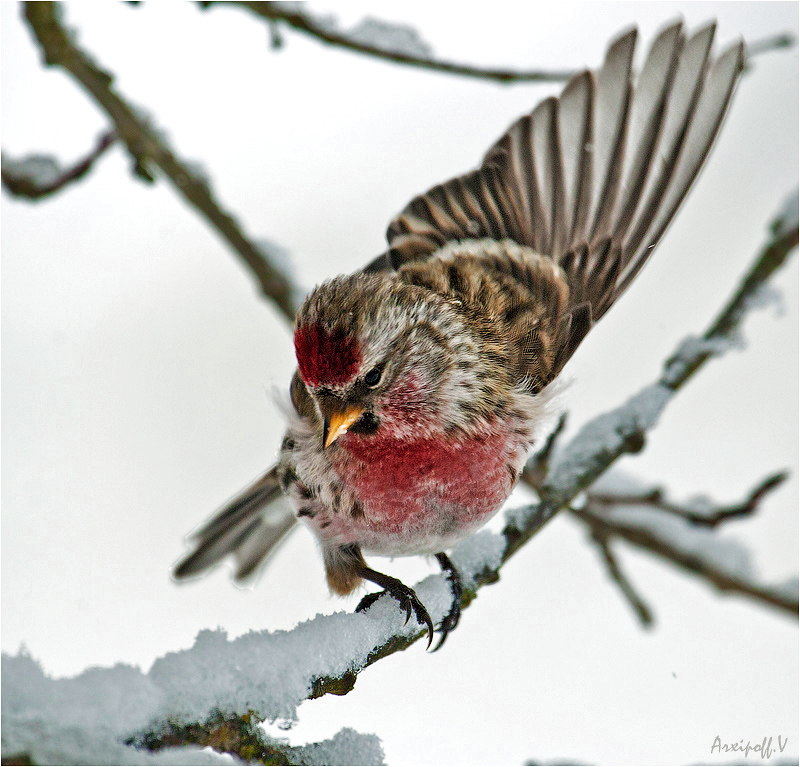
[[407, 598], [457, 590]]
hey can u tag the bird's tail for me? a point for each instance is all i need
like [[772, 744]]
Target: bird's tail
[[250, 527]]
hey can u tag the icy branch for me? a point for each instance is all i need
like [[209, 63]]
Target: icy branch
[[36, 175], [150, 149]]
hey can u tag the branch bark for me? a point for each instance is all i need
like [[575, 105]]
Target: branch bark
[[645, 539], [150, 150], [325, 31], [600, 514]]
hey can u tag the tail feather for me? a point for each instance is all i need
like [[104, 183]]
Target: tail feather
[[250, 527]]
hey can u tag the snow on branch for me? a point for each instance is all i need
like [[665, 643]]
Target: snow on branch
[[681, 533], [397, 43], [37, 175], [150, 148], [224, 683]]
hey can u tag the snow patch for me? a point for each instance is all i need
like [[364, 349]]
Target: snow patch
[[606, 434]]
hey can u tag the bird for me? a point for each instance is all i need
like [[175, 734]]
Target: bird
[[423, 379]]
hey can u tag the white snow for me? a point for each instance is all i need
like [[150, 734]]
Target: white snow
[[347, 747], [472, 556], [605, 434], [396, 38], [765, 297], [39, 169]]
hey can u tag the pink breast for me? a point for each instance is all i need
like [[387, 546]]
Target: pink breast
[[412, 488]]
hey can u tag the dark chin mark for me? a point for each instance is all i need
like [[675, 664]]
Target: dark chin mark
[[366, 425]]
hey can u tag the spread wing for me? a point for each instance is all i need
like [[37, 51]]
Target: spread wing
[[592, 178]]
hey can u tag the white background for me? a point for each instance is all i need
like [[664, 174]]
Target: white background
[[139, 363]]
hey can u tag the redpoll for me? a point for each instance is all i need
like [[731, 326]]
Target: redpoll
[[421, 379]]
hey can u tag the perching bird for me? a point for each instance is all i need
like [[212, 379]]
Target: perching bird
[[421, 379]]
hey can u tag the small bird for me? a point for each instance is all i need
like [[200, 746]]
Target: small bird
[[423, 379]]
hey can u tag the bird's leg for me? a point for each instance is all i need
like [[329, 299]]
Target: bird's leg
[[456, 589], [399, 591]]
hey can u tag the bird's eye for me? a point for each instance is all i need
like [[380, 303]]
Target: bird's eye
[[373, 377]]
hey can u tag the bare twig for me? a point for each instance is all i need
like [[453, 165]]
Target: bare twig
[[597, 513], [783, 239], [725, 581], [643, 612], [19, 181], [150, 150], [710, 517], [325, 31]]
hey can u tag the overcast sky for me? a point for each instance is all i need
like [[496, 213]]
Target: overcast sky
[[139, 366]]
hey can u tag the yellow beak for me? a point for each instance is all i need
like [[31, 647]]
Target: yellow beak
[[338, 423]]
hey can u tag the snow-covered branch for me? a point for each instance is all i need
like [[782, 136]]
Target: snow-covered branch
[[38, 175], [150, 148]]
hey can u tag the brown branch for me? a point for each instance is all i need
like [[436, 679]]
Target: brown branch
[[724, 581], [20, 182], [302, 21], [326, 31], [150, 150], [707, 518], [643, 612], [599, 505]]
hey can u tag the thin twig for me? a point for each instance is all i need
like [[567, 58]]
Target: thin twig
[[326, 31], [149, 149], [771, 43], [716, 576], [643, 612], [303, 21], [21, 183], [707, 518]]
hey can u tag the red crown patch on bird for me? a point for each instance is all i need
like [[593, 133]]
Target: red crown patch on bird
[[326, 358]]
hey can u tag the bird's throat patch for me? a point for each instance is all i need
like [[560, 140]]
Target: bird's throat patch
[[326, 358]]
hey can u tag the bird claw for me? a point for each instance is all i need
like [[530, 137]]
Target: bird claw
[[408, 600], [457, 590]]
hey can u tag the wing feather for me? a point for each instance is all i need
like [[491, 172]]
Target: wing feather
[[591, 179]]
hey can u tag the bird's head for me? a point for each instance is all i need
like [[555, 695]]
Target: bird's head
[[381, 356]]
